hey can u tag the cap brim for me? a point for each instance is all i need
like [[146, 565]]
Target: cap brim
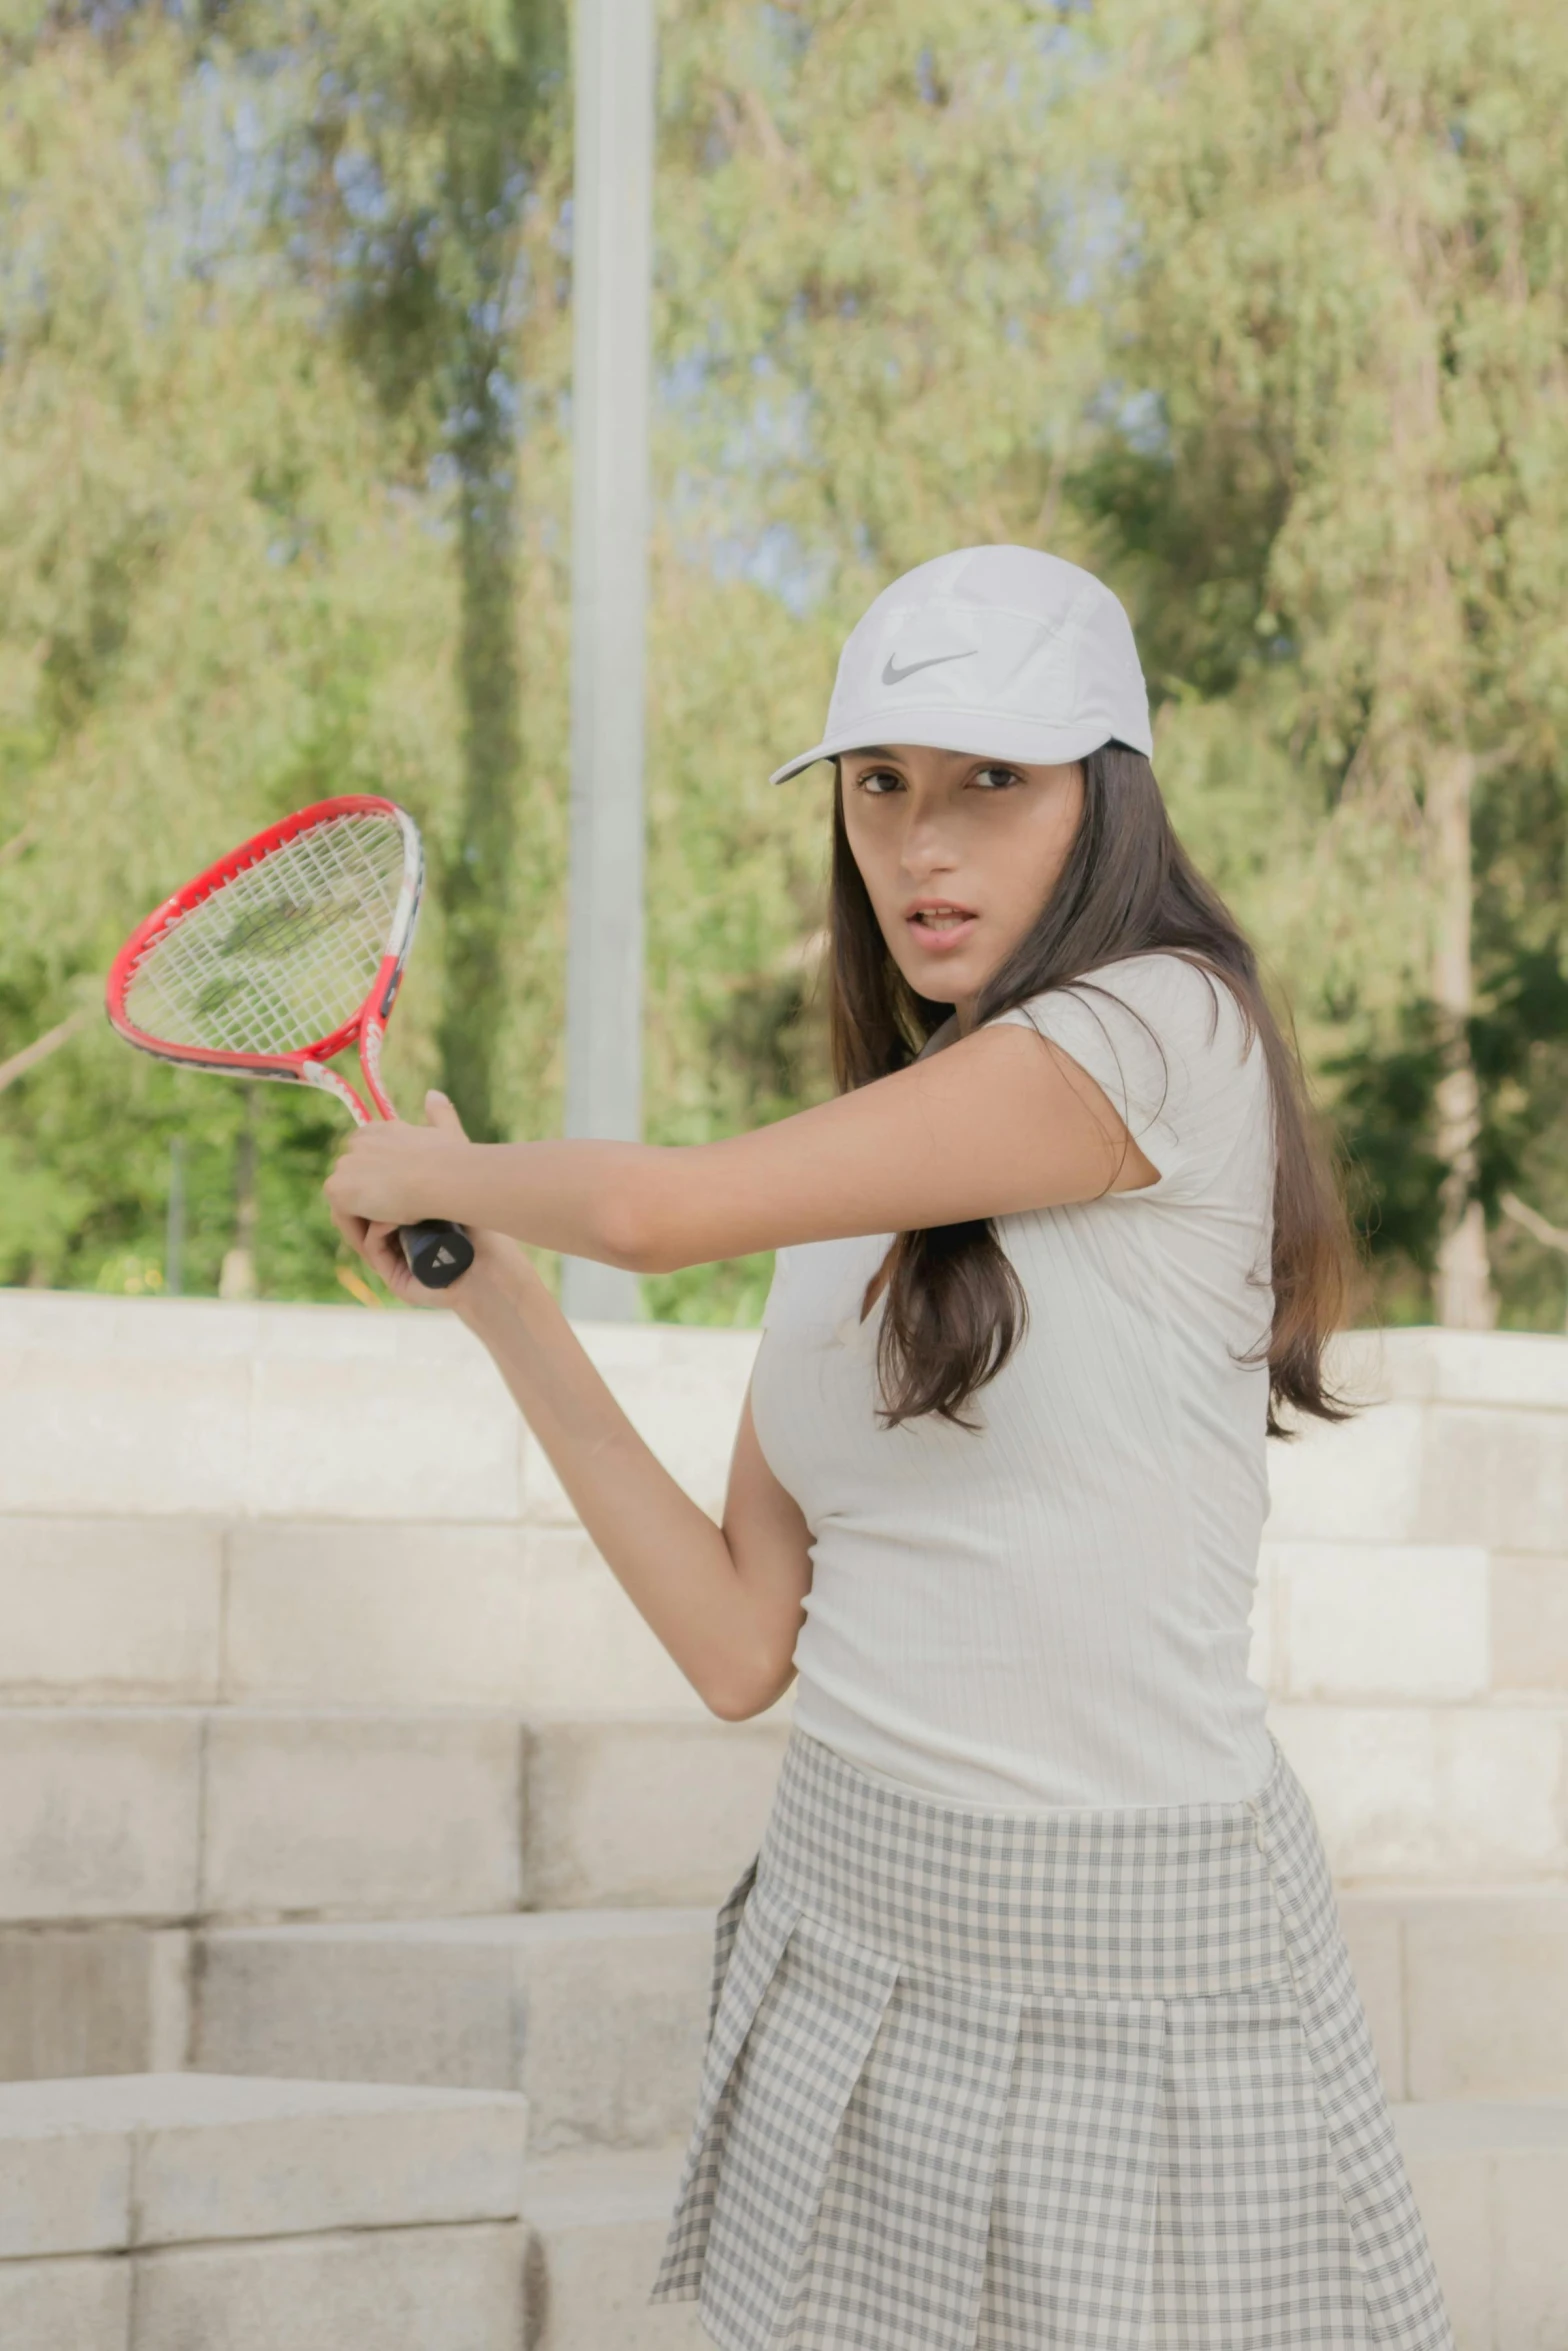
[[982, 735]]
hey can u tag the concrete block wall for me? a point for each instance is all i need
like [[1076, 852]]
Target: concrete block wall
[[286, 1505], [157, 2212], [1411, 1623], [159, 1815], [192, 1408], [331, 1755], [213, 1515]]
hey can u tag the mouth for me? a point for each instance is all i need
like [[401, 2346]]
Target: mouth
[[938, 925]]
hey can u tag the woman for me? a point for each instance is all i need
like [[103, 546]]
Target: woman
[[1033, 2027]]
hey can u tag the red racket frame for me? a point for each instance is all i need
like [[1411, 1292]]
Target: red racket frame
[[365, 1028], [437, 1251]]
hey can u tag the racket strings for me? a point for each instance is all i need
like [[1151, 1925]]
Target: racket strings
[[281, 954]]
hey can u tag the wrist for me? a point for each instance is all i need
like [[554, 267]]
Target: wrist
[[447, 1180], [501, 1281]]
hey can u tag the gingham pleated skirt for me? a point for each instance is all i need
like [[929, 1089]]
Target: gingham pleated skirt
[[1080, 2080]]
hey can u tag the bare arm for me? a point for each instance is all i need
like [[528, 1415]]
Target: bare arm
[[996, 1123], [999, 1122], [726, 1601]]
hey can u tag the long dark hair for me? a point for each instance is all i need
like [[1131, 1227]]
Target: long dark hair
[[955, 1308]]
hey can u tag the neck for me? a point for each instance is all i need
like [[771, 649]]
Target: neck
[[946, 1032]]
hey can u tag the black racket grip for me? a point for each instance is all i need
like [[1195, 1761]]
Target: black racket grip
[[437, 1252]]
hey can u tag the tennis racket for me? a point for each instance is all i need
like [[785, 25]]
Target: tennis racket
[[284, 953]]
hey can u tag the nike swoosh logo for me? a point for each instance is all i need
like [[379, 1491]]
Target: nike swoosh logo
[[892, 675]]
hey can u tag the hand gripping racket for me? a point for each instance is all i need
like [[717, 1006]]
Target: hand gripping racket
[[284, 953]]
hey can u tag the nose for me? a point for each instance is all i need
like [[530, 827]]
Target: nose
[[926, 847]]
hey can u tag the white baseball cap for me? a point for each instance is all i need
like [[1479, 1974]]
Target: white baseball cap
[[999, 651]]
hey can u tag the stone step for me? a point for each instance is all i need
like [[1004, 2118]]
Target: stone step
[[94, 2000], [598, 2015], [1350, 1622], [152, 2212], [178, 1814], [596, 2228], [1466, 1992], [182, 1611], [200, 1407], [288, 1412], [1491, 2181], [1435, 1796], [319, 1506]]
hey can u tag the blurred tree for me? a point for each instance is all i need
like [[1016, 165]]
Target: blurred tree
[[1257, 312], [867, 357], [423, 134], [1339, 287], [865, 262], [213, 603]]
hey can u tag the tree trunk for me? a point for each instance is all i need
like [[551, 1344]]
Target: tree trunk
[[1465, 1299], [478, 876]]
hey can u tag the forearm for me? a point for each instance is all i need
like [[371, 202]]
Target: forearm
[[669, 1556], [992, 1126], [585, 1199], [646, 1207]]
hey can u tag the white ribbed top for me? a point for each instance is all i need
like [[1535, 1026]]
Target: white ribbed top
[[1054, 1610]]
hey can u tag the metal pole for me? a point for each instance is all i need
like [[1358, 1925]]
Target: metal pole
[[612, 206]]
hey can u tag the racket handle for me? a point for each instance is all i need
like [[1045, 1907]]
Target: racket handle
[[437, 1252]]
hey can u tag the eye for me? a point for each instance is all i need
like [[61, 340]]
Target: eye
[[879, 781], [996, 779]]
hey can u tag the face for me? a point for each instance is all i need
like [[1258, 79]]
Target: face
[[958, 855]]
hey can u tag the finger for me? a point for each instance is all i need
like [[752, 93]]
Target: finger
[[442, 1111], [352, 1228], [345, 1150], [335, 1182], [385, 1257]]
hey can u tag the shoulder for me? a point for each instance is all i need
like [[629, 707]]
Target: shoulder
[[1170, 991], [1159, 1007], [1172, 1047]]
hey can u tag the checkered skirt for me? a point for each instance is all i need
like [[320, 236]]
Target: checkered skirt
[[1081, 2080]]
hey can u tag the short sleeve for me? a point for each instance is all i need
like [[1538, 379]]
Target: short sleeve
[[1169, 1047]]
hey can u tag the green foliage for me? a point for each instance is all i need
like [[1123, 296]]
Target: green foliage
[[426, 138], [1341, 507], [1260, 312], [1385, 1094], [732, 1294]]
